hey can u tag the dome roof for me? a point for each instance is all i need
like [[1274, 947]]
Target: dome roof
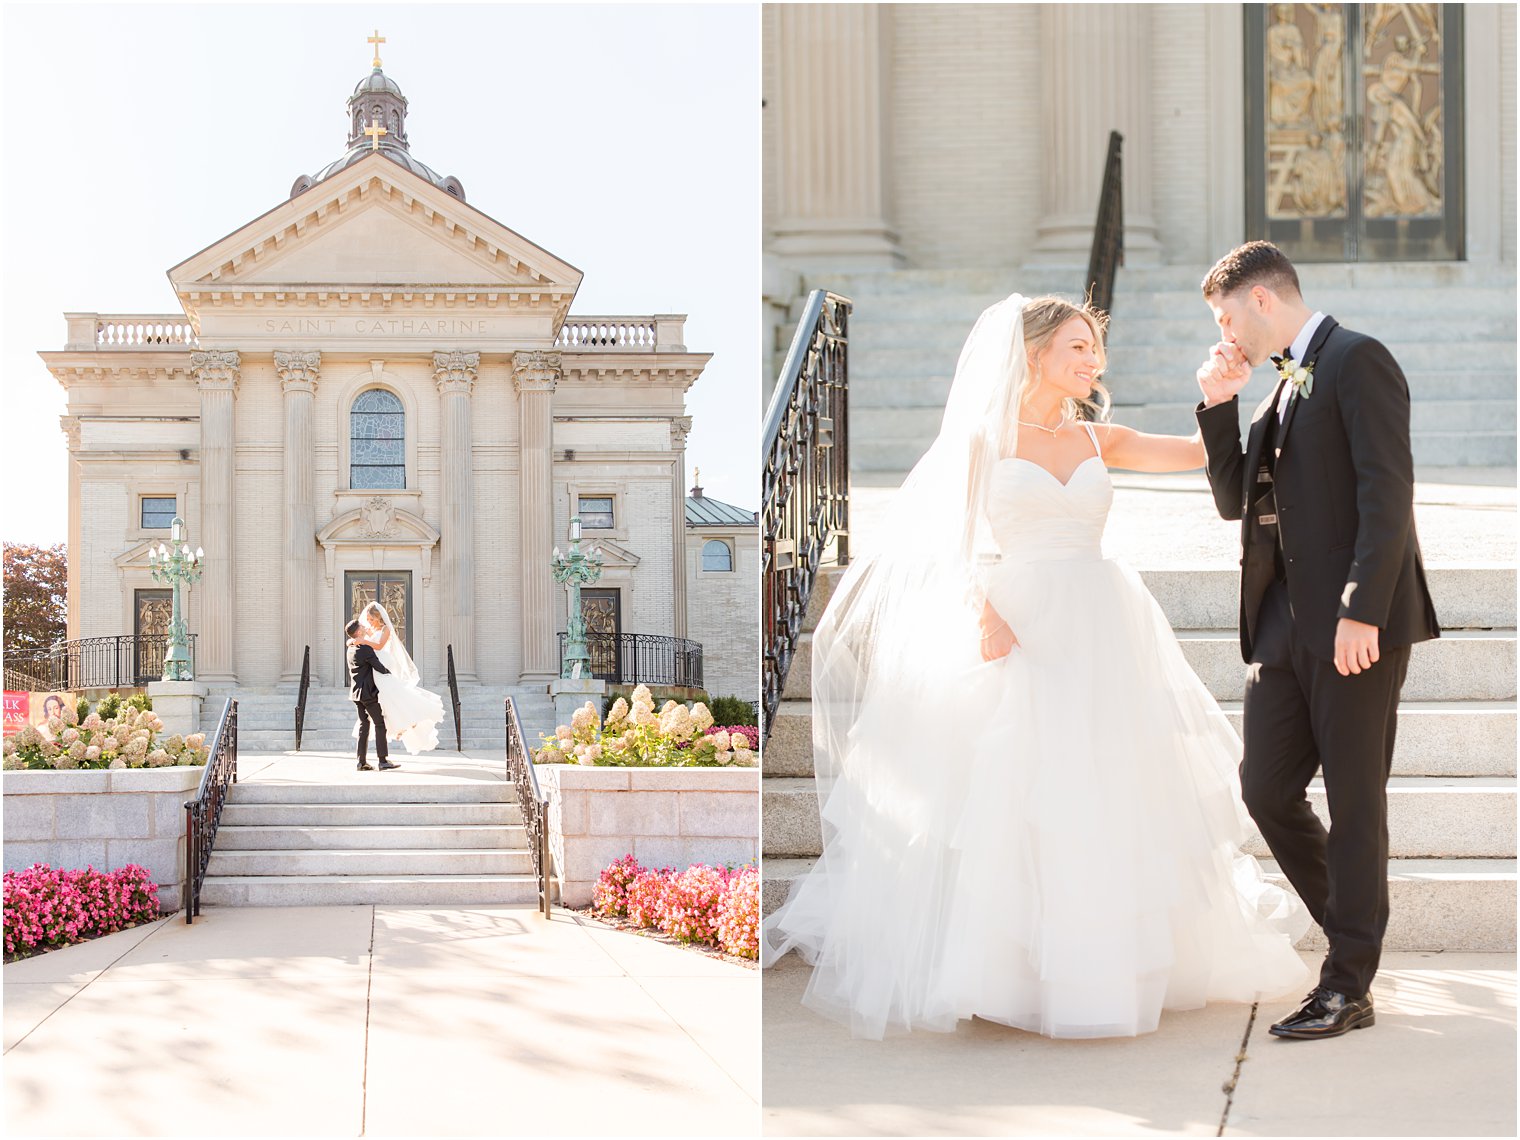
[[377, 80]]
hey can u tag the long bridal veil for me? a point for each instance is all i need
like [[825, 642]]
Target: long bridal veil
[[412, 713], [897, 649]]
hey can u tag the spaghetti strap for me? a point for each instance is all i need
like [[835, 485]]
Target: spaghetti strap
[[1093, 435]]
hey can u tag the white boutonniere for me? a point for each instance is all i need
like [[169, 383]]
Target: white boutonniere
[[1300, 376]]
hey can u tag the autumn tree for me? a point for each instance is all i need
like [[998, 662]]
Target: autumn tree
[[36, 595]]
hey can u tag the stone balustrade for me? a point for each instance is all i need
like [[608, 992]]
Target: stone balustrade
[[660, 333], [129, 332]]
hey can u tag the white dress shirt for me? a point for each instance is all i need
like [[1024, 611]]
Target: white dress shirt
[[1299, 347]]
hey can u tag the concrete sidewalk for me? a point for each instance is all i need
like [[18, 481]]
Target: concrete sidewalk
[[1439, 1062], [382, 1021]]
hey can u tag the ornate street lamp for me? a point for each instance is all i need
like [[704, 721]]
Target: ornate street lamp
[[176, 567], [576, 570]]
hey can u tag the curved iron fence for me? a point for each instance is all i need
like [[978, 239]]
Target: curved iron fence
[[91, 663], [642, 659]]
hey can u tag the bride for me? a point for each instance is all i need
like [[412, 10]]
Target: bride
[[412, 713], [1030, 804]]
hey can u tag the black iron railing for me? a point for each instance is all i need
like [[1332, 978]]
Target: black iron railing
[[204, 813], [301, 695], [807, 481], [454, 699], [92, 663], [643, 659], [1108, 235], [532, 803]]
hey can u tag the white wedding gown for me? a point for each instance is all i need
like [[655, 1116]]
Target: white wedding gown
[[412, 713], [1067, 858]]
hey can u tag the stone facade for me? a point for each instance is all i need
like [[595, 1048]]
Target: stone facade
[[104, 820], [375, 278], [723, 606], [663, 817]]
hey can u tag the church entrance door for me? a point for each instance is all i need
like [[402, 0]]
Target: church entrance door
[[392, 589], [151, 613], [602, 611]]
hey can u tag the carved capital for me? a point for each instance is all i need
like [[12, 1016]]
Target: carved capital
[[298, 370], [216, 369], [70, 426], [680, 428], [535, 371], [455, 371]]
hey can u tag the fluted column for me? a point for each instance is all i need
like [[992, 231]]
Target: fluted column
[[832, 199], [1096, 78], [216, 375], [70, 426], [298, 566], [454, 373], [534, 375], [680, 428]]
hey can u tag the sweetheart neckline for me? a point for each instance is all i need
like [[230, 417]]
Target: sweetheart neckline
[[1048, 472]]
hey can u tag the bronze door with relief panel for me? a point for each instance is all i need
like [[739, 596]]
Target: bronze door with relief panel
[[392, 589], [602, 611], [152, 611], [1354, 125]]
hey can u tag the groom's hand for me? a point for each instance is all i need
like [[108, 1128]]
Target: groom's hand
[[1356, 646], [1224, 374]]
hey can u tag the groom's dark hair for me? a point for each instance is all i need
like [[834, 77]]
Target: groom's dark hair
[[1255, 263], [352, 627]]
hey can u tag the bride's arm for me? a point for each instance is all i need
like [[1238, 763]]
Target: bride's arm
[[384, 636], [1138, 451]]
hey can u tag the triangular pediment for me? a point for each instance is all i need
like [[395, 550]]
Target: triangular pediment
[[374, 224], [614, 555]]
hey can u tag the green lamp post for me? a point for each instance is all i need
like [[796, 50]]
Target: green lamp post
[[576, 570], [176, 566]]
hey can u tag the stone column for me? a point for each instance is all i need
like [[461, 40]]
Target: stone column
[[216, 375], [534, 375], [1096, 78], [832, 171], [70, 426], [680, 428], [298, 566], [454, 373]]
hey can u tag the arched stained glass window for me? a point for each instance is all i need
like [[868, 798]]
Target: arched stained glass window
[[377, 441], [716, 556]]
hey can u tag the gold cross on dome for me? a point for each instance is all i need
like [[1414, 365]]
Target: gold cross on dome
[[377, 39], [374, 131]]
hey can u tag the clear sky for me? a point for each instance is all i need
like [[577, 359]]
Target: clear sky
[[621, 138]]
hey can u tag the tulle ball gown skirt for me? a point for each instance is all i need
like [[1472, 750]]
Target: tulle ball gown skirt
[[1061, 850]]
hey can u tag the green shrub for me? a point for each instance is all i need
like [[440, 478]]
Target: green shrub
[[109, 706], [141, 702], [82, 708], [732, 710]]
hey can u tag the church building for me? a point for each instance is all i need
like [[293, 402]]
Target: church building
[[377, 390]]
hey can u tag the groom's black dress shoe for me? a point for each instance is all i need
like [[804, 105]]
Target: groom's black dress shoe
[[363, 767], [1326, 1013], [386, 765]]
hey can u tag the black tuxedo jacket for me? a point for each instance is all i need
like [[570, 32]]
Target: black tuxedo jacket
[[362, 665], [1344, 485]]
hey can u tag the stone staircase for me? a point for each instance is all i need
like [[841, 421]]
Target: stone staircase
[[266, 717], [379, 842], [1451, 326], [1451, 801]]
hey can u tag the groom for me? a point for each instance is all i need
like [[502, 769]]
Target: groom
[[1332, 596], [362, 663]]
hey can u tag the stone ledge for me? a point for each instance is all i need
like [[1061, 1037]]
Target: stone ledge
[[76, 782]]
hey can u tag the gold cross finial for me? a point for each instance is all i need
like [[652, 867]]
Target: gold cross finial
[[377, 39], [696, 476], [374, 131]]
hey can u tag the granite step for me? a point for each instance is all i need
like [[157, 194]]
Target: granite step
[[1434, 738], [1428, 817], [1436, 904], [376, 890], [276, 837], [396, 791], [350, 861], [308, 814]]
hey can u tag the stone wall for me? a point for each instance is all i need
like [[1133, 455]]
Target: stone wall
[[723, 612], [101, 819], [663, 817]]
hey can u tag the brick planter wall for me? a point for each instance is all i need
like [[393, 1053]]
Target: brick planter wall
[[663, 817], [101, 819]]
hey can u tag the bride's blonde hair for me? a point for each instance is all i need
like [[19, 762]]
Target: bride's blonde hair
[[1043, 318]]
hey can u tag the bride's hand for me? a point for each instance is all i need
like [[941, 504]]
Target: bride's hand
[[1224, 374], [997, 639]]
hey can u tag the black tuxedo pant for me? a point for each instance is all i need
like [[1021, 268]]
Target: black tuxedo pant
[[1302, 715], [370, 711]]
